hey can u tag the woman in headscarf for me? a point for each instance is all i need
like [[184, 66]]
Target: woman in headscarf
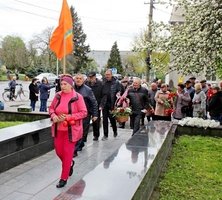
[[66, 111]]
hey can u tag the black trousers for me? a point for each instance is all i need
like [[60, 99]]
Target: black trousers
[[12, 93], [86, 124], [80, 143], [107, 115], [96, 126], [135, 122]]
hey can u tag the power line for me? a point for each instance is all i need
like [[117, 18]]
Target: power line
[[96, 19], [36, 6], [113, 20], [43, 16], [31, 13]]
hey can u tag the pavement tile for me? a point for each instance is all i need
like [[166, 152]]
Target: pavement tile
[[36, 179]]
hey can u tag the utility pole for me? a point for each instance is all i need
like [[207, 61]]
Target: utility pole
[[149, 35], [149, 38]]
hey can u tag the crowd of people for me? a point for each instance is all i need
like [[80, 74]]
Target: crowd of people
[[39, 91], [81, 102]]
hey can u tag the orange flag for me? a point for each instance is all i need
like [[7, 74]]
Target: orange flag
[[61, 42]]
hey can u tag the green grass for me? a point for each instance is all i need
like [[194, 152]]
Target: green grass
[[194, 170], [4, 77], [8, 124]]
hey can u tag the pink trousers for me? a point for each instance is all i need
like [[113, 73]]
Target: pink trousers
[[64, 150]]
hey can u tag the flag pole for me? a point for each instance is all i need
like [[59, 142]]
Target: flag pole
[[64, 58], [57, 67]]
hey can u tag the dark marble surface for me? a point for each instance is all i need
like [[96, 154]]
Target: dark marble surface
[[119, 176], [23, 142]]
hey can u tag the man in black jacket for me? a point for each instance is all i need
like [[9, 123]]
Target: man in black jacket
[[96, 86], [92, 108], [111, 87], [139, 102]]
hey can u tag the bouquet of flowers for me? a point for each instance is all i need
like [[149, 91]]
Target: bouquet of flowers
[[168, 103], [121, 113]]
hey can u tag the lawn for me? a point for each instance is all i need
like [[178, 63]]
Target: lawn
[[8, 124], [3, 77], [194, 170]]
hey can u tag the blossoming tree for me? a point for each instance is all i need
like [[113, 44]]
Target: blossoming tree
[[196, 44]]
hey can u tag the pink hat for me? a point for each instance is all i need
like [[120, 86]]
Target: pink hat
[[68, 79]]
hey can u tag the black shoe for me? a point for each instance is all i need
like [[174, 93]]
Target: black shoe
[[115, 134], [95, 139], [75, 154], [61, 183], [71, 169], [81, 146]]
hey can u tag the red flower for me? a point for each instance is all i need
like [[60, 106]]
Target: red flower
[[172, 95], [121, 110], [168, 111]]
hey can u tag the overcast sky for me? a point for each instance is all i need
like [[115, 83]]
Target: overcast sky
[[104, 21]]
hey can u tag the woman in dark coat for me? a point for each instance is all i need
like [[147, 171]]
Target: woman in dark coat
[[33, 93], [44, 90], [215, 104], [182, 100]]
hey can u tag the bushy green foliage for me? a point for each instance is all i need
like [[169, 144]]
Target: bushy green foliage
[[115, 59], [14, 53], [80, 58]]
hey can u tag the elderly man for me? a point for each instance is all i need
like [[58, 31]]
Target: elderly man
[[111, 87], [204, 86], [139, 102], [91, 105], [96, 86], [192, 79]]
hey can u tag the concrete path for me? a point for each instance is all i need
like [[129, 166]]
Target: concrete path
[[36, 179]]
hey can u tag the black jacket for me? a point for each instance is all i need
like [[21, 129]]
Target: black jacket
[[215, 104], [109, 91], [97, 89], [89, 98], [138, 99], [33, 90]]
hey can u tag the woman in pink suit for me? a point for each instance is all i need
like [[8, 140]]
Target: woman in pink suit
[[66, 111]]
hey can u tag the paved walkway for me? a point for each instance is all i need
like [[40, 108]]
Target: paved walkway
[[36, 179]]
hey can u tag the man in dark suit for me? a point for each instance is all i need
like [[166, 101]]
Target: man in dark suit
[[96, 86], [92, 108], [111, 87]]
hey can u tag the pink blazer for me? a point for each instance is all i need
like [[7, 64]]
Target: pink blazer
[[79, 111]]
